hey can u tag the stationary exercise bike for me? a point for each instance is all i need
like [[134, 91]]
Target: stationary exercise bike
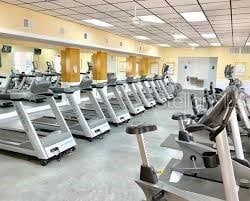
[[192, 179]]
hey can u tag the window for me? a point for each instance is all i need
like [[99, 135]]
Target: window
[[23, 61]]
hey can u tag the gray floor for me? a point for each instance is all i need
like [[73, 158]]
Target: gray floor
[[102, 170]]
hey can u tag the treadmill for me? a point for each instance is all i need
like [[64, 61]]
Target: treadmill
[[26, 81], [149, 89], [115, 114], [42, 145], [6, 103], [147, 99], [131, 99], [88, 128], [160, 85]]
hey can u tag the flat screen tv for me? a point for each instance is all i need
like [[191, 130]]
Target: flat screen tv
[[6, 49], [37, 51]]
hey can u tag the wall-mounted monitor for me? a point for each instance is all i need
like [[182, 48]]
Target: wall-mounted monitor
[[37, 51], [6, 49]]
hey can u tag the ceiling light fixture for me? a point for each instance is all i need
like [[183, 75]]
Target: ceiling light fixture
[[151, 18], [209, 35], [193, 44], [142, 37], [179, 36], [194, 16], [164, 45], [216, 44], [98, 23]]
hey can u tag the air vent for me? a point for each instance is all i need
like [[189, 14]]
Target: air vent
[[61, 30], [85, 35], [240, 50], [27, 23]]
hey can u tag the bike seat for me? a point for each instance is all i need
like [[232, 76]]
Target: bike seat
[[181, 116], [140, 129]]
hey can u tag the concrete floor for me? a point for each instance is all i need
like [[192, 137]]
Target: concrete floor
[[102, 170]]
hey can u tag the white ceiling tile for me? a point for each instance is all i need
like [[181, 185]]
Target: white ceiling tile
[[32, 7], [120, 14], [240, 4], [31, 1], [92, 2], [65, 11], [220, 17], [106, 8], [16, 2], [241, 16], [216, 5], [67, 3], [162, 11], [182, 2], [218, 12], [140, 12], [188, 8], [47, 5], [154, 3], [241, 11], [128, 6], [84, 10], [81, 17], [118, 1], [98, 15], [241, 20]]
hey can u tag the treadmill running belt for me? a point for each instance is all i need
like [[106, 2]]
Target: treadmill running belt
[[13, 136], [53, 121]]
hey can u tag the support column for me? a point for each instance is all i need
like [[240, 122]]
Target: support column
[[131, 68], [100, 66], [144, 67], [70, 59], [70, 72]]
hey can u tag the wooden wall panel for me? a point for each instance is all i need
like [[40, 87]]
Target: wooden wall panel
[[144, 67], [100, 66], [131, 68], [70, 65]]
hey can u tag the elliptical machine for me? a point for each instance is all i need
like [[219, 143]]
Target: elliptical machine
[[171, 86]]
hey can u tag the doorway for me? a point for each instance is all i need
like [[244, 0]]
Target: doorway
[[197, 72]]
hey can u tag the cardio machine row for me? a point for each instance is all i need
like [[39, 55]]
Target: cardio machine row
[[48, 137], [215, 162]]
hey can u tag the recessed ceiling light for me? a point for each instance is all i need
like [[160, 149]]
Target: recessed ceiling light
[[216, 44], [164, 45], [209, 35], [194, 16], [98, 23], [179, 36], [193, 44], [142, 37], [248, 44], [151, 18]]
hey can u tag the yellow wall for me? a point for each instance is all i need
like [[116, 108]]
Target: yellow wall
[[49, 26], [8, 58], [224, 57], [85, 57]]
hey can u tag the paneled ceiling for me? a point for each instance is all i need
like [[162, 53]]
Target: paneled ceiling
[[229, 20]]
